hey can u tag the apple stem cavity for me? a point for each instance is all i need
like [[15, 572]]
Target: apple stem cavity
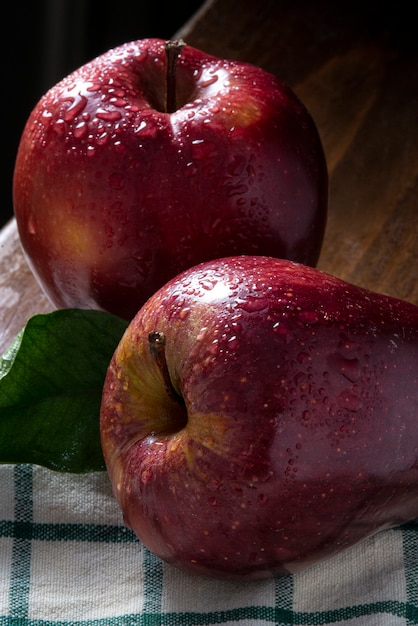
[[172, 51], [157, 343]]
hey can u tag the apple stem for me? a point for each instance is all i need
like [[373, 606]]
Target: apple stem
[[157, 342], [172, 52]]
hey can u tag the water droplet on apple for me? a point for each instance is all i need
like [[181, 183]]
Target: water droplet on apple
[[117, 209], [347, 346], [239, 189], [303, 357], [81, 130], [190, 170], [214, 347], [252, 304], [94, 87], [31, 225], [300, 378], [108, 116], [147, 128], [233, 342], [59, 127], [102, 139], [283, 331], [141, 126], [202, 334], [203, 149], [133, 108], [118, 102], [237, 165], [350, 401], [119, 147], [204, 84], [184, 313], [350, 368], [78, 104]]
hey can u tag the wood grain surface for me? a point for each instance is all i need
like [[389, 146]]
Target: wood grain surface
[[356, 69]]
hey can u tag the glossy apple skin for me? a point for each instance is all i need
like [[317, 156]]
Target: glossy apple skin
[[298, 436], [113, 196]]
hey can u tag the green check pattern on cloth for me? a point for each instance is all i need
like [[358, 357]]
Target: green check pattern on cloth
[[66, 558]]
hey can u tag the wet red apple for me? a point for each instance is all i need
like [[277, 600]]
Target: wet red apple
[[260, 415], [152, 158]]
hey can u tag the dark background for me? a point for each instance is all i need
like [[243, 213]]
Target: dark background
[[44, 40]]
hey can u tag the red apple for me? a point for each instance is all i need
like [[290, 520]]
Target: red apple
[[259, 415], [134, 168]]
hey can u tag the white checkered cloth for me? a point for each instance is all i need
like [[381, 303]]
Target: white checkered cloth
[[66, 558]]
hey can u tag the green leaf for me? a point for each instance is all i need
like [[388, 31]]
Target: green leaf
[[51, 380]]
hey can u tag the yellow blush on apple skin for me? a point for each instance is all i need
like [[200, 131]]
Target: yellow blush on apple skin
[[76, 237]]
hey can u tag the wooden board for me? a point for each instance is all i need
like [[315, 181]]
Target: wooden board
[[356, 69]]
